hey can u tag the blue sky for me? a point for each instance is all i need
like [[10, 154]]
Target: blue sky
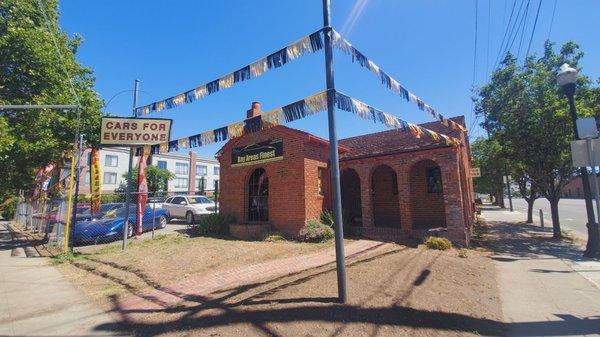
[[428, 46]]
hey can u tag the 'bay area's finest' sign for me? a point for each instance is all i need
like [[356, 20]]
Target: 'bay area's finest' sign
[[117, 131], [262, 152]]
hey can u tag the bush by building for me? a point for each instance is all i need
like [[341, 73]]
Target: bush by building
[[214, 224], [438, 243], [315, 231]]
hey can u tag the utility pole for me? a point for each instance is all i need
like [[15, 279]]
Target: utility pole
[[131, 153], [334, 156]]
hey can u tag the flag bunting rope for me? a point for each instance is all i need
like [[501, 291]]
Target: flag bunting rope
[[308, 44], [363, 110], [357, 57], [307, 106]]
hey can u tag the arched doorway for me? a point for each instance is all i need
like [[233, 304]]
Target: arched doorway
[[258, 196], [427, 195], [351, 203], [386, 210]]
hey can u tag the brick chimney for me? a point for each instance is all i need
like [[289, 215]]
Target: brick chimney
[[254, 111]]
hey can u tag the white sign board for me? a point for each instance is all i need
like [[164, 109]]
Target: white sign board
[[586, 128], [579, 152], [475, 172]]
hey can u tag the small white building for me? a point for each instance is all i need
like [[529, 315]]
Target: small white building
[[190, 170]]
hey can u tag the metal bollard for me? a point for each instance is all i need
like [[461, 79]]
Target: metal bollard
[[542, 218]]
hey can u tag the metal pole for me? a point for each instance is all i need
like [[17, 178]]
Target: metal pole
[[334, 156], [592, 226], [509, 192], [542, 218], [128, 189], [76, 196], [594, 177]]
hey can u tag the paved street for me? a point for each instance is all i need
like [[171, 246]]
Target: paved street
[[572, 213]]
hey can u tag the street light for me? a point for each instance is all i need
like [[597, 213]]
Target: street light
[[567, 77]]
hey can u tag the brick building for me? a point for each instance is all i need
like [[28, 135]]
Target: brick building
[[394, 186]]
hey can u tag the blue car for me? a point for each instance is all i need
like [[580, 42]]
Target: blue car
[[110, 226]]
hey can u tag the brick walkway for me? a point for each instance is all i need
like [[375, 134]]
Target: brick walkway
[[201, 285]]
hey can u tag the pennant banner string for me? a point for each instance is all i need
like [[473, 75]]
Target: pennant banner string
[[308, 44], [300, 109], [343, 45], [363, 110]]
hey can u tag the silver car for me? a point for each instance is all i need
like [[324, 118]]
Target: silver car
[[189, 207]]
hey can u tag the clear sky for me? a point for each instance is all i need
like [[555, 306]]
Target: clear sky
[[428, 46]]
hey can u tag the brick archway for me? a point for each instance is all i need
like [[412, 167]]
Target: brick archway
[[384, 185], [351, 200], [427, 195]]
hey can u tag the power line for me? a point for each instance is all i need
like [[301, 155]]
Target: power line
[[518, 26], [505, 34], [552, 20], [487, 52], [537, 14], [526, 17]]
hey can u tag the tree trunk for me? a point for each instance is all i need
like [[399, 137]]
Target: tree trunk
[[500, 198], [530, 202], [556, 233]]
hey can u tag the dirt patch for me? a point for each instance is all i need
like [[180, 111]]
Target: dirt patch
[[392, 291], [109, 272]]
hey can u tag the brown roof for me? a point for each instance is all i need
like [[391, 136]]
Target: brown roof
[[394, 141]]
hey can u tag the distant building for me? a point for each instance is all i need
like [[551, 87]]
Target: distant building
[[190, 170], [574, 188]]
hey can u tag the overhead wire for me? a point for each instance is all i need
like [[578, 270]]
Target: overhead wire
[[526, 17], [552, 20], [537, 14], [512, 11]]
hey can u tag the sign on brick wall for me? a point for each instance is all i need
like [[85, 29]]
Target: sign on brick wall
[[117, 131], [270, 150], [475, 172]]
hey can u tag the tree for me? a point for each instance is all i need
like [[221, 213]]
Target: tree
[[487, 156], [157, 178], [32, 72], [527, 114]]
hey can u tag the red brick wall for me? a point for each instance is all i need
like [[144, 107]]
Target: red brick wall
[[290, 201], [427, 208], [316, 156], [385, 201]]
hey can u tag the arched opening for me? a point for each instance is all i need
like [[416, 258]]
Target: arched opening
[[258, 196], [351, 203], [427, 195], [386, 210]]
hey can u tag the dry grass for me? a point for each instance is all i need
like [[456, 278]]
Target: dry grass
[[392, 291], [108, 271]]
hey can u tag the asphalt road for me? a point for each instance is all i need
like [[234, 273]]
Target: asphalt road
[[571, 212]]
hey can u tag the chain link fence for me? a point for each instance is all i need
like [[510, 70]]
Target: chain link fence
[[111, 224]]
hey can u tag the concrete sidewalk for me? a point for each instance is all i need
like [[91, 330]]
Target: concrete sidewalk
[[546, 287], [36, 300]]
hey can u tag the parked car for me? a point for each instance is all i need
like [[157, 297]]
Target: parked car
[[189, 207], [110, 226], [104, 208], [156, 201]]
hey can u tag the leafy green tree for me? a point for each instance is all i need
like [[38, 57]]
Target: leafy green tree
[[528, 115], [487, 155], [156, 177], [32, 71]]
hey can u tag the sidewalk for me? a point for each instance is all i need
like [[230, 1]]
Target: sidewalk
[[542, 280], [36, 300]]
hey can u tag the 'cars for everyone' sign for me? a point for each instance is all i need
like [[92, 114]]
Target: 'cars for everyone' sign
[[262, 152], [117, 131]]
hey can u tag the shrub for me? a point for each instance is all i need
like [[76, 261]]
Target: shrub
[[214, 224], [9, 209], [436, 242], [327, 218], [274, 237], [315, 231]]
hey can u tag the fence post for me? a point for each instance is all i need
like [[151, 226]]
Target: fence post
[[542, 217], [153, 215]]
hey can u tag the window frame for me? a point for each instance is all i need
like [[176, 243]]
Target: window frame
[[108, 163]]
